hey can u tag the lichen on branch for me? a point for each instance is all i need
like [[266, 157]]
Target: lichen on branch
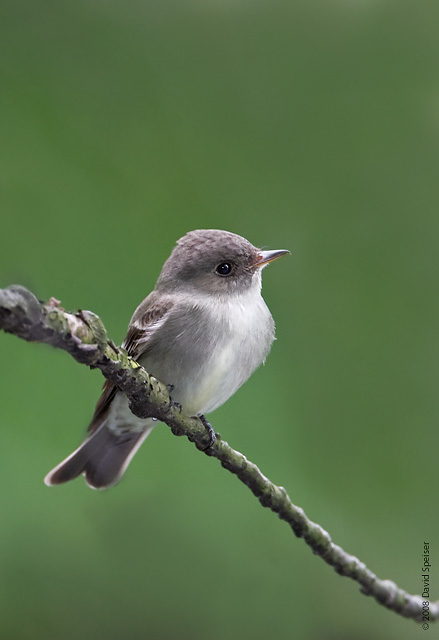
[[83, 335]]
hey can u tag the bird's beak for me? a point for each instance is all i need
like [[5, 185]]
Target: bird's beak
[[265, 257]]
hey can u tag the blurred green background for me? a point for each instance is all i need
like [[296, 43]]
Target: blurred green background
[[311, 126]]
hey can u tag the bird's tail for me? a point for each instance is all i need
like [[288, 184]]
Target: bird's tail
[[103, 458]]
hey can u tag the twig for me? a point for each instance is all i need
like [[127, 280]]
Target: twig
[[83, 335]]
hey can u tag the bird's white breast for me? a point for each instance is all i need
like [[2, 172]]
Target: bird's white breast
[[247, 331]]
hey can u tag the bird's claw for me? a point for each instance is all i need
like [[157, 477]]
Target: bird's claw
[[210, 430]]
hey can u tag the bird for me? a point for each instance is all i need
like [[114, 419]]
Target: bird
[[202, 331]]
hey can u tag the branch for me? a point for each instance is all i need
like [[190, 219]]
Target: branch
[[83, 335]]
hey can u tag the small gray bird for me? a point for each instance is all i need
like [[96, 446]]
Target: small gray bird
[[203, 331]]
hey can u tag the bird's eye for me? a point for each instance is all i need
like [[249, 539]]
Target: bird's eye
[[224, 269]]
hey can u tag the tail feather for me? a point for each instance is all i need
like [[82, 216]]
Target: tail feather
[[103, 458]]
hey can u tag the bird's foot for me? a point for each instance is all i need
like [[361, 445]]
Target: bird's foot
[[210, 430], [177, 405]]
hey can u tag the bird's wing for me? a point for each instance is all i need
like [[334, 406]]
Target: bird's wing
[[148, 317]]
